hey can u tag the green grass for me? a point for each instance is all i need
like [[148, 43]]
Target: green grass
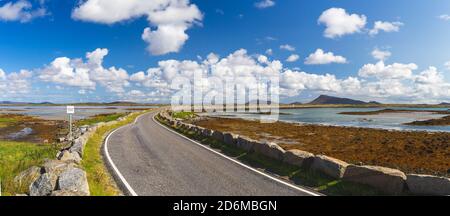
[[300, 176], [16, 157], [5, 121], [100, 118], [100, 181], [183, 115]]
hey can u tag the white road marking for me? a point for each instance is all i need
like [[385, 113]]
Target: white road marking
[[122, 179], [238, 162]]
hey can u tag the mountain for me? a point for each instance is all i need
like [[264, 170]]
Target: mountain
[[325, 99], [445, 104]]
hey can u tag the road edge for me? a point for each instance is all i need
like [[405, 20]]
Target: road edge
[[117, 175], [312, 193]]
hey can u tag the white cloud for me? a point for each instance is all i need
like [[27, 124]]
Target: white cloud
[[382, 71], [447, 65], [320, 57], [385, 26], [287, 47], [86, 75], [380, 55], [169, 19], [264, 4], [21, 10], [16, 83], [293, 58], [269, 52], [339, 23], [444, 17]]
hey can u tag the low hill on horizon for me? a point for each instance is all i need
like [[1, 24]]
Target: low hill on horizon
[[325, 99]]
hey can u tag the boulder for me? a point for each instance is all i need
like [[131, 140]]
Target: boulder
[[217, 135], [68, 193], [78, 146], [298, 158], [230, 139], [28, 176], [390, 181], [428, 185], [245, 143], [73, 179], [44, 185], [56, 167], [207, 132], [330, 166], [68, 156], [269, 149]]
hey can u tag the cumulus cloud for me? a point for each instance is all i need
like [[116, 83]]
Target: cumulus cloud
[[22, 11], [169, 19], [385, 26], [380, 55], [269, 52], [382, 71], [264, 4], [287, 47], [339, 23], [320, 57], [85, 74], [293, 58], [15, 83]]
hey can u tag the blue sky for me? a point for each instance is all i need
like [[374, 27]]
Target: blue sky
[[224, 27]]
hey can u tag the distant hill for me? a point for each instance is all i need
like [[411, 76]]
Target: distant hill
[[10, 102], [445, 104], [325, 99], [296, 103], [374, 102]]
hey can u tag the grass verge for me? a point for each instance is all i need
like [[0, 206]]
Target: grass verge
[[183, 115], [16, 157], [100, 118], [316, 181], [100, 181]]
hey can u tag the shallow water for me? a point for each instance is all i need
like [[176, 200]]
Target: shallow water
[[331, 116], [59, 112]]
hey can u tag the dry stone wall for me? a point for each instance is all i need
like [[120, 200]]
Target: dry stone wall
[[390, 181], [63, 176]]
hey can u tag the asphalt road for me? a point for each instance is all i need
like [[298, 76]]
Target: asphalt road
[[151, 160]]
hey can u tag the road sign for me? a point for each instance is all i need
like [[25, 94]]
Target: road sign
[[70, 109]]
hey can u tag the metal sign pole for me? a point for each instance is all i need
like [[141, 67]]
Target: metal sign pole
[[70, 127], [70, 111]]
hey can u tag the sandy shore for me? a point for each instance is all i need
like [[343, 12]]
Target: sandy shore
[[412, 152]]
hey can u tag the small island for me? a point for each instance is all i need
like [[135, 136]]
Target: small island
[[444, 121]]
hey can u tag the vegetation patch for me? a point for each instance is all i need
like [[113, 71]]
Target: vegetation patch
[[409, 151], [100, 118], [42, 131], [100, 181], [183, 115], [16, 157]]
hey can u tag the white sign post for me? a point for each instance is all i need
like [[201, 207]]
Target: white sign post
[[70, 111]]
